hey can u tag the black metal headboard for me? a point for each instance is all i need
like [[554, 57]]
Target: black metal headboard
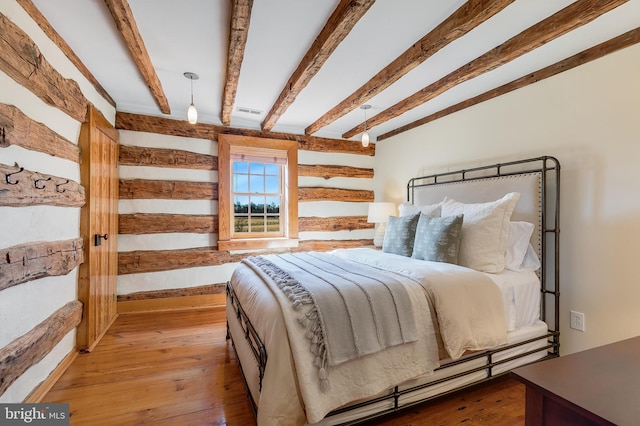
[[538, 182]]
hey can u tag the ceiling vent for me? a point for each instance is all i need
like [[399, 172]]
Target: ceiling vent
[[249, 110]]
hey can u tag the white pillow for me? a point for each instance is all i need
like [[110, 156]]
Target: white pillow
[[485, 231], [430, 210], [517, 244]]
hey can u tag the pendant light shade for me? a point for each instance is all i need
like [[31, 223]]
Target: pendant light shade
[[365, 134], [192, 112]]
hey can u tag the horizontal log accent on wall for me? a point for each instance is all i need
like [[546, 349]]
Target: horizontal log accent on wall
[[335, 223], [26, 262], [29, 349], [20, 187], [311, 193], [21, 60], [16, 128], [174, 292], [161, 157], [160, 223], [328, 172], [167, 190], [135, 262], [166, 126]]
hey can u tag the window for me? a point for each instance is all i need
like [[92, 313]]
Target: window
[[257, 193]]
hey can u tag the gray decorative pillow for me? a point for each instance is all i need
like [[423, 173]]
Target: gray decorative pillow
[[438, 238], [399, 235]]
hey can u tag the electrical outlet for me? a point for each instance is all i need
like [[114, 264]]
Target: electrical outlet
[[577, 321]]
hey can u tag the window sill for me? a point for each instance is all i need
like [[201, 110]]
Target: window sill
[[257, 243]]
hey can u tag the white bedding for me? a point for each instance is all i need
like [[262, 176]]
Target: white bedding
[[520, 295], [391, 367]]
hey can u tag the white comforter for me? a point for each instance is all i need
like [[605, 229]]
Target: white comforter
[[469, 311]]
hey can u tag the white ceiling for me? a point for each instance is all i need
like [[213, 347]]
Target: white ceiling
[[192, 35]]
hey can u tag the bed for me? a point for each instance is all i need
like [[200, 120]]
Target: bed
[[308, 363]]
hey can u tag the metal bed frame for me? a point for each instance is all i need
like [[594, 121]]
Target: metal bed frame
[[549, 170]]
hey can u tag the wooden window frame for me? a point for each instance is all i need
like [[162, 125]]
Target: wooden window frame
[[226, 146]]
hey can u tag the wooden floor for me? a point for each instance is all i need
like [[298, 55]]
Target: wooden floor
[[177, 369]]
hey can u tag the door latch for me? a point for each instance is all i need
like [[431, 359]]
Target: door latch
[[98, 239]]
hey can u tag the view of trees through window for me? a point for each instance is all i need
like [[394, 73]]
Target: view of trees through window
[[257, 197]]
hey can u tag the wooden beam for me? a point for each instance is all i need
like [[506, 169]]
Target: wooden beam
[[174, 292], [126, 24], [571, 17], [318, 193], [44, 24], [26, 262], [467, 17], [16, 128], [328, 172], [141, 189], [170, 158], [165, 126], [238, 33], [326, 245], [345, 16], [21, 60], [29, 349], [20, 187], [336, 223], [160, 223], [625, 40]]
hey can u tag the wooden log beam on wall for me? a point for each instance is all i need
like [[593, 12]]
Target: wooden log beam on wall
[[29, 349], [345, 16], [466, 18], [16, 128], [160, 223], [571, 17], [21, 59], [166, 126], [140, 261], [167, 190], [625, 40], [170, 158], [238, 33], [336, 223], [26, 262], [174, 292], [126, 24], [44, 24], [19, 187], [328, 172], [333, 194]]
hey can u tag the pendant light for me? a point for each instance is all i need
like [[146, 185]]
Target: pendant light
[[192, 112], [365, 135]]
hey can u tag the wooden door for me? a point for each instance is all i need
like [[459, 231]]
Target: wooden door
[[99, 228]]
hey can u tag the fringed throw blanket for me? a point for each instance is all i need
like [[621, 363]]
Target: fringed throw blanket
[[353, 312]]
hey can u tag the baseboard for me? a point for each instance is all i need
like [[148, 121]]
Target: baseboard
[[202, 301], [41, 390]]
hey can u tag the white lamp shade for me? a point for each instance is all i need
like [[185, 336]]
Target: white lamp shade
[[379, 212], [365, 139], [192, 114]]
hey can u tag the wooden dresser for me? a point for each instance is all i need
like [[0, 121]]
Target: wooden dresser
[[599, 386]]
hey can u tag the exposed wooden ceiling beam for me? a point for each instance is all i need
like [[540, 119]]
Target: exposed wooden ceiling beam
[[625, 40], [44, 24], [339, 25], [463, 20], [126, 24], [571, 17], [238, 32]]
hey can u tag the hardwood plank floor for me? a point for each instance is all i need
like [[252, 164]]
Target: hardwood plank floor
[[177, 368]]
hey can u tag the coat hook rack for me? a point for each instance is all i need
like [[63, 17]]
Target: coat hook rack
[[58, 185], [35, 182], [8, 177]]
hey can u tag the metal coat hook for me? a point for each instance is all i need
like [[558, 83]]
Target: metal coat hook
[[58, 185], [14, 173], [35, 182]]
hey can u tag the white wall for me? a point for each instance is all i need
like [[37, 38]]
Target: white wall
[[588, 118], [24, 306]]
